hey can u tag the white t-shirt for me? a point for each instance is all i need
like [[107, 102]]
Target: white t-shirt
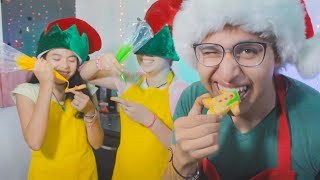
[[32, 91]]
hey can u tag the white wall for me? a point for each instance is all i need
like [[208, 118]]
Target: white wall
[[14, 153], [1, 38]]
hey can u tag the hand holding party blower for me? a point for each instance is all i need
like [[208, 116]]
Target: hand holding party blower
[[25, 62], [137, 35], [13, 60]]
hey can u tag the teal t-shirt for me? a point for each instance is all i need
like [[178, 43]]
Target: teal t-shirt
[[243, 155]]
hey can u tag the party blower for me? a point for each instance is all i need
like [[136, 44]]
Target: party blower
[[138, 34], [12, 60]]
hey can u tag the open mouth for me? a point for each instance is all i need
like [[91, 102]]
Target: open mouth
[[146, 61], [63, 73], [242, 90]]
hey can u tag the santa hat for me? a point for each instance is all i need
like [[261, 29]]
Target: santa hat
[[286, 20], [70, 33], [160, 18]]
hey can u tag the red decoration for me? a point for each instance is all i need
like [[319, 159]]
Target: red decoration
[[104, 110], [17, 43], [162, 12], [309, 28]]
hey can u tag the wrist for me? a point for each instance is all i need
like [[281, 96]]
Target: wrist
[[47, 86], [151, 123], [90, 117], [90, 109], [189, 171], [98, 62], [182, 164], [90, 112]]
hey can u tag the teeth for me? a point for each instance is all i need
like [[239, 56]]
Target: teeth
[[239, 89], [147, 61], [243, 88], [63, 73]]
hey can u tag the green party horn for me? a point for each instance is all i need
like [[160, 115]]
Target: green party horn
[[121, 55]]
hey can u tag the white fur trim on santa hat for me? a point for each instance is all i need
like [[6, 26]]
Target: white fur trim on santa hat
[[309, 58], [282, 19]]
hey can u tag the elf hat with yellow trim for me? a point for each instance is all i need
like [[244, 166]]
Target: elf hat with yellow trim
[[70, 33], [287, 21]]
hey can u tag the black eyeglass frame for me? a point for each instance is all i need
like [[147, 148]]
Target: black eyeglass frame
[[263, 44]]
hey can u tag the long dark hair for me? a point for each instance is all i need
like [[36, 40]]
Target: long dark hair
[[75, 80]]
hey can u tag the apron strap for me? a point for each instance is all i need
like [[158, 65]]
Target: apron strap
[[284, 140], [209, 170], [169, 80], [141, 80]]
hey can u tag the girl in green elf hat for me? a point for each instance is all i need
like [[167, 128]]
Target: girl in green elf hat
[[60, 127], [148, 105]]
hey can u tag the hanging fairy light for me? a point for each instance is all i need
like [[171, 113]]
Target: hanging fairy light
[[45, 11], [59, 8], [9, 23], [19, 38], [122, 9], [31, 28]]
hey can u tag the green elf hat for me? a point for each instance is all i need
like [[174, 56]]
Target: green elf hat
[[160, 18], [70, 33]]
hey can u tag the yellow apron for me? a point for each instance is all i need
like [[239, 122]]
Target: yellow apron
[[65, 153], [140, 154]]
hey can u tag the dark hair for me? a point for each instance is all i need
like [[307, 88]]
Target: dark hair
[[75, 80]]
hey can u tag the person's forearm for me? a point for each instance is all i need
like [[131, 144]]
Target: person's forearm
[[89, 70], [36, 130], [95, 133], [181, 165], [162, 132]]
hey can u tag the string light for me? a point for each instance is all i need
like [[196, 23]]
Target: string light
[[122, 9], [45, 12], [60, 8], [23, 21], [17, 43], [32, 18], [9, 23]]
